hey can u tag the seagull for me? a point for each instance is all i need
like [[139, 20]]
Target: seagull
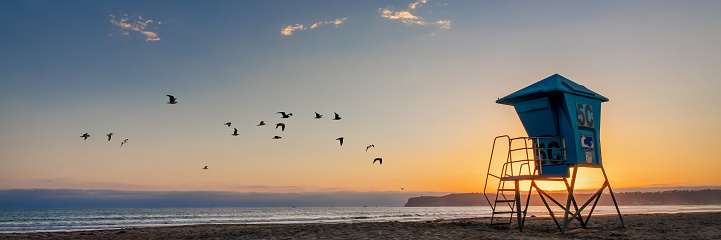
[[369, 146], [380, 160], [341, 140], [228, 123], [109, 136], [172, 99], [285, 115], [205, 168], [124, 142], [85, 136], [403, 189], [261, 123], [337, 117], [280, 125], [317, 115], [235, 133], [276, 137]]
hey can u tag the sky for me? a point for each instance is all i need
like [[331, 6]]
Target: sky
[[417, 79]]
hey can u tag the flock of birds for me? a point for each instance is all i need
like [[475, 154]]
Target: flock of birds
[[173, 100], [85, 136]]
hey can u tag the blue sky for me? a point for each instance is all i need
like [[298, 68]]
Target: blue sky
[[417, 82]]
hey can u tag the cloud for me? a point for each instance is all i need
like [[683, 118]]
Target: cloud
[[387, 13], [444, 24], [415, 4], [288, 30], [408, 17], [336, 22], [129, 24]]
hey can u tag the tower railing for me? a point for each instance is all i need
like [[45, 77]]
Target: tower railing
[[536, 155]]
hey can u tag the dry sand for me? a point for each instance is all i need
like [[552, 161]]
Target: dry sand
[[638, 226]]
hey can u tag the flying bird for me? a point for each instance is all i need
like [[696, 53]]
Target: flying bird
[[261, 123], [205, 168], [124, 142], [172, 99], [85, 136], [280, 125], [341, 140], [277, 137], [337, 117], [109, 136], [403, 189], [285, 115], [228, 123], [369, 146], [380, 160], [235, 133], [317, 115]]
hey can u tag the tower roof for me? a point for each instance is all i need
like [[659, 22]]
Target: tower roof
[[548, 86]]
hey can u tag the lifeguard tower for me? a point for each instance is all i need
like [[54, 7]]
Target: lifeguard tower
[[563, 123]]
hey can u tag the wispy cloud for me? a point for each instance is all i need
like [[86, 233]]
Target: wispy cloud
[[415, 4], [444, 24], [288, 30], [336, 22], [403, 15], [129, 24], [407, 16]]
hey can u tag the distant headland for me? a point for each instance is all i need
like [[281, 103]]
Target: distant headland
[[675, 197]]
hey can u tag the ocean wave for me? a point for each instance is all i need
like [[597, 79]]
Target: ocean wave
[[43, 220]]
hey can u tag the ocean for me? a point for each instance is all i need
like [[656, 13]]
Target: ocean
[[43, 220]]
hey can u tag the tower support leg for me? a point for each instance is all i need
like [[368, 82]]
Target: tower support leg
[[518, 205], [569, 200], [613, 197]]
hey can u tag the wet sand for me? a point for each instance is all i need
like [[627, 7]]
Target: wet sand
[[638, 226]]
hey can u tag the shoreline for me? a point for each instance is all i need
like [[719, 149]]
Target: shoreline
[[686, 225]]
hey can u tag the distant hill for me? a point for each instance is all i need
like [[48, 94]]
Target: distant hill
[[678, 197]]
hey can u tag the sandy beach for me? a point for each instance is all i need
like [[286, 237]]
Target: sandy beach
[[638, 226]]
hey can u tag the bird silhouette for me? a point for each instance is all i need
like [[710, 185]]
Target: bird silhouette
[[280, 125], [341, 140], [277, 137], [285, 115], [85, 136], [317, 115], [172, 99], [235, 133], [228, 123], [369, 146], [109, 136], [403, 189], [205, 168], [261, 123], [337, 117], [124, 142], [380, 160]]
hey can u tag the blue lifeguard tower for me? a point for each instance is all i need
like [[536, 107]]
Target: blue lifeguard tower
[[563, 123]]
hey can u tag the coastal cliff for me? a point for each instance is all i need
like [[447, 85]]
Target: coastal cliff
[[699, 197]]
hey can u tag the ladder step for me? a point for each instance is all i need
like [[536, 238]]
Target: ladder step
[[506, 189], [509, 200], [504, 212]]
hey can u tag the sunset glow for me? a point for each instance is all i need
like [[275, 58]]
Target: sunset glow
[[417, 79]]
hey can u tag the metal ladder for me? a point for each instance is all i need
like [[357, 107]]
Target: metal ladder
[[505, 201], [503, 190]]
